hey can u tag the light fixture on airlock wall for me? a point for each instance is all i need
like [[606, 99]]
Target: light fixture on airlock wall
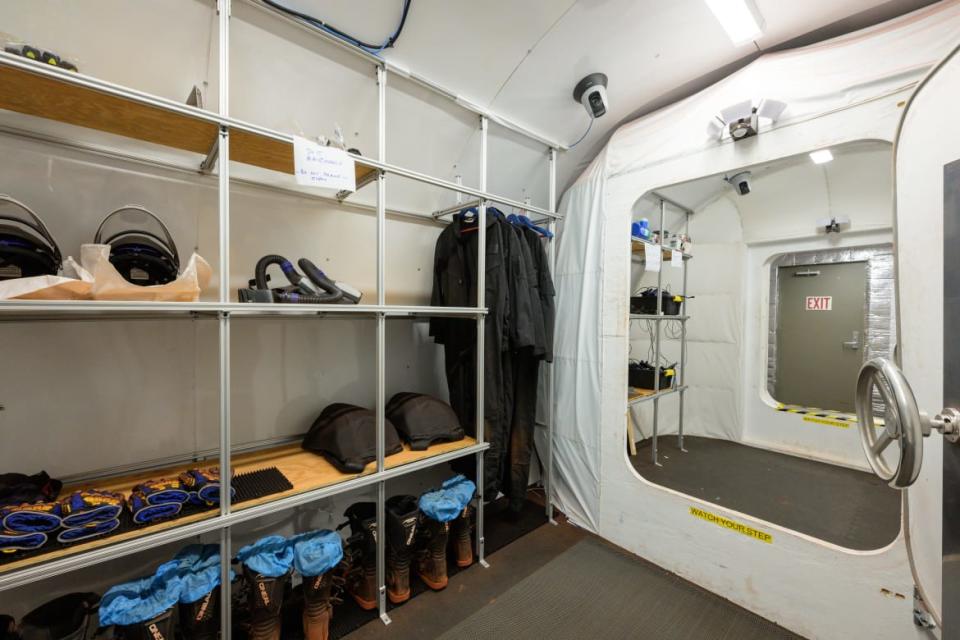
[[823, 156], [743, 120], [739, 18]]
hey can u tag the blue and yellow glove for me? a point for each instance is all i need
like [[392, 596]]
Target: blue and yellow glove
[[163, 491], [81, 508], [11, 541], [87, 531], [40, 517], [203, 485], [145, 512]]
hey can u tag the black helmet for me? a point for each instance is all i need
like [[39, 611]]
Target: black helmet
[[26, 246], [423, 420], [142, 256], [347, 436]]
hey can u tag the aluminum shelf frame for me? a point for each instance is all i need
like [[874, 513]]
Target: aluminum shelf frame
[[223, 310], [658, 319]]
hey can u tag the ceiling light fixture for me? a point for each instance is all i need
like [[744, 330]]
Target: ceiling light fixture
[[823, 156], [739, 18]]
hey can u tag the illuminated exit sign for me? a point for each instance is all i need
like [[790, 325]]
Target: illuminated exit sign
[[819, 303]]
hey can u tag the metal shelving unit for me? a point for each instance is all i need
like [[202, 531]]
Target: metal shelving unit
[[638, 396], [207, 136]]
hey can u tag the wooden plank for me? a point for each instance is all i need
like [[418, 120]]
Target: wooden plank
[[306, 472], [50, 98], [636, 393], [270, 153]]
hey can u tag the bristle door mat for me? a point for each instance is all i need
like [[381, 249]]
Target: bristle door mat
[[499, 531], [259, 483], [251, 485]]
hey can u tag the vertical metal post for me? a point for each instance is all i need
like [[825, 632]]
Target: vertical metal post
[[656, 341], [481, 328], [223, 142], [381, 340], [683, 340], [548, 369]]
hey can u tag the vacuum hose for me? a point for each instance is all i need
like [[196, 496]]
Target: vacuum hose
[[305, 295]]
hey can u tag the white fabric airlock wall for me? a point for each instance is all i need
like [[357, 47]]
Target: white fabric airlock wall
[[861, 68], [839, 91]]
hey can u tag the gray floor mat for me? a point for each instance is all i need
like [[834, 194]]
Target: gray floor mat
[[594, 590], [849, 508]]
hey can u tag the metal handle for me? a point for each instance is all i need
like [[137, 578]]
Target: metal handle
[[854, 343], [903, 423]]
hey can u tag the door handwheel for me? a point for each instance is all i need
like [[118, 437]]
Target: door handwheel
[[904, 423]]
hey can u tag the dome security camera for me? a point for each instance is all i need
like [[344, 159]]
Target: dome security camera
[[591, 92], [741, 182]]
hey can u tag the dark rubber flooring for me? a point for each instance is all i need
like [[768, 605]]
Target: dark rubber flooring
[[849, 508], [564, 584]]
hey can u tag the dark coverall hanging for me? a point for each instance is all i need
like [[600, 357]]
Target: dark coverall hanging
[[518, 334]]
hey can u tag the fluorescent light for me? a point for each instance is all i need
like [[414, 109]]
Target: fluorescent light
[[821, 157], [739, 18]]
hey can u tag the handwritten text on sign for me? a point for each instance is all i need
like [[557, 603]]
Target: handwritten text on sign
[[318, 166], [819, 303]]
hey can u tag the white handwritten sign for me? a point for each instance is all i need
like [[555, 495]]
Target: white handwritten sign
[[819, 303], [318, 166], [652, 253]]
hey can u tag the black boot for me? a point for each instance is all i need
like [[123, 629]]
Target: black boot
[[69, 617], [265, 602], [462, 542], [317, 606], [362, 582], [432, 552], [402, 516], [159, 628], [200, 620]]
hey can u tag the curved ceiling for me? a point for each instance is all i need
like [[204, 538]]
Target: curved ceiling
[[522, 59]]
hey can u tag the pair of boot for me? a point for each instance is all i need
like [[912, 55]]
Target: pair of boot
[[411, 535], [266, 597], [268, 565]]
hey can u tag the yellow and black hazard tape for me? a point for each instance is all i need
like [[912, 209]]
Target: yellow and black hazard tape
[[816, 415]]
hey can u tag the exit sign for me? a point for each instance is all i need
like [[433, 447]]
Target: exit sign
[[819, 303]]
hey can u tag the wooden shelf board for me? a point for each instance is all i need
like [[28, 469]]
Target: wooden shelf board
[[636, 394], [639, 246], [53, 99], [306, 472]]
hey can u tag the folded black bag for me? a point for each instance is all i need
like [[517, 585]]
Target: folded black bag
[[17, 488], [346, 435], [423, 420]]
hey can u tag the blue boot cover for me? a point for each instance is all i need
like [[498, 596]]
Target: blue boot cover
[[81, 508], [199, 568], [87, 531], [445, 504], [316, 552], [461, 487], [40, 517], [140, 600], [146, 513], [11, 541], [271, 556]]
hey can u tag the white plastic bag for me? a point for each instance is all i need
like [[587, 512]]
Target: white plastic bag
[[108, 284], [76, 283]]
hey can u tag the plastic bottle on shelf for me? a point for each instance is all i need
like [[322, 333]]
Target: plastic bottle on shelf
[[641, 229]]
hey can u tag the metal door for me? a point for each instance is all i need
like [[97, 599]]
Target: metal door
[[820, 334]]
